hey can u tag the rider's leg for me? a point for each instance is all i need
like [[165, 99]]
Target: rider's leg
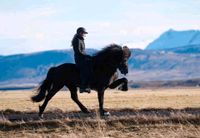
[[85, 75]]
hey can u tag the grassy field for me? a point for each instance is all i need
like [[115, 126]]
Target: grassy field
[[136, 113]]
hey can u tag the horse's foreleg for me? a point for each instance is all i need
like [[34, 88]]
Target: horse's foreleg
[[101, 102], [123, 82], [74, 97]]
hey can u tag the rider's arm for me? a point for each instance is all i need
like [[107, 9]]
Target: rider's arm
[[77, 46]]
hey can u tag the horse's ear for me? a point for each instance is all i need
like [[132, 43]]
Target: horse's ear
[[126, 51]]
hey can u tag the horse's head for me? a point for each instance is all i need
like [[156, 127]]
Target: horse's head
[[123, 65]]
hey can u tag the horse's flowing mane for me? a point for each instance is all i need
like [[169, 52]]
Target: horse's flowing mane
[[108, 50]]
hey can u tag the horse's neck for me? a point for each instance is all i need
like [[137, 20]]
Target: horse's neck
[[103, 69], [102, 62]]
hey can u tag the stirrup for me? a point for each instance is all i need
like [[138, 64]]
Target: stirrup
[[82, 90]]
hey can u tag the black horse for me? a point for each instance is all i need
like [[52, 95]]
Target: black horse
[[105, 64]]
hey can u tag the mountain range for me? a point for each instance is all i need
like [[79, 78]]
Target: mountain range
[[175, 55], [175, 39]]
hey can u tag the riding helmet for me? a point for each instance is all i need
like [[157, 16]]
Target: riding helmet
[[81, 30]]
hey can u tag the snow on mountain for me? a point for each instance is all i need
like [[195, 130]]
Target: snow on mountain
[[174, 39]]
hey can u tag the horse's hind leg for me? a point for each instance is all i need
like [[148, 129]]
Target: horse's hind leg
[[74, 96], [50, 94]]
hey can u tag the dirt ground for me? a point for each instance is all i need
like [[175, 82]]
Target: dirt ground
[[136, 113]]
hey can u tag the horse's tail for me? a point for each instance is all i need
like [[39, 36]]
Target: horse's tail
[[44, 87]]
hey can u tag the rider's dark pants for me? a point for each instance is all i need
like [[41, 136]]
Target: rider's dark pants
[[85, 66]]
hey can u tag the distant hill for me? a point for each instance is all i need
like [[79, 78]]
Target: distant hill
[[151, 65], [167, 83], [31, 65], [27, 70], [174, 39], [186, 49]]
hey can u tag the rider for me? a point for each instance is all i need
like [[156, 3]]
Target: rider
[[82, 60]]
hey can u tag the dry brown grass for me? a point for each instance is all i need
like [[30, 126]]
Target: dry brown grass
[[136, 113], [137, 99]]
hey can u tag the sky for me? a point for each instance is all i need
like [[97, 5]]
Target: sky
[[37, 25]]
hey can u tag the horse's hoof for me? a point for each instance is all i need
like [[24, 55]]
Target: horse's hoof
[[106, 114], [40, 116], [123, 87]]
